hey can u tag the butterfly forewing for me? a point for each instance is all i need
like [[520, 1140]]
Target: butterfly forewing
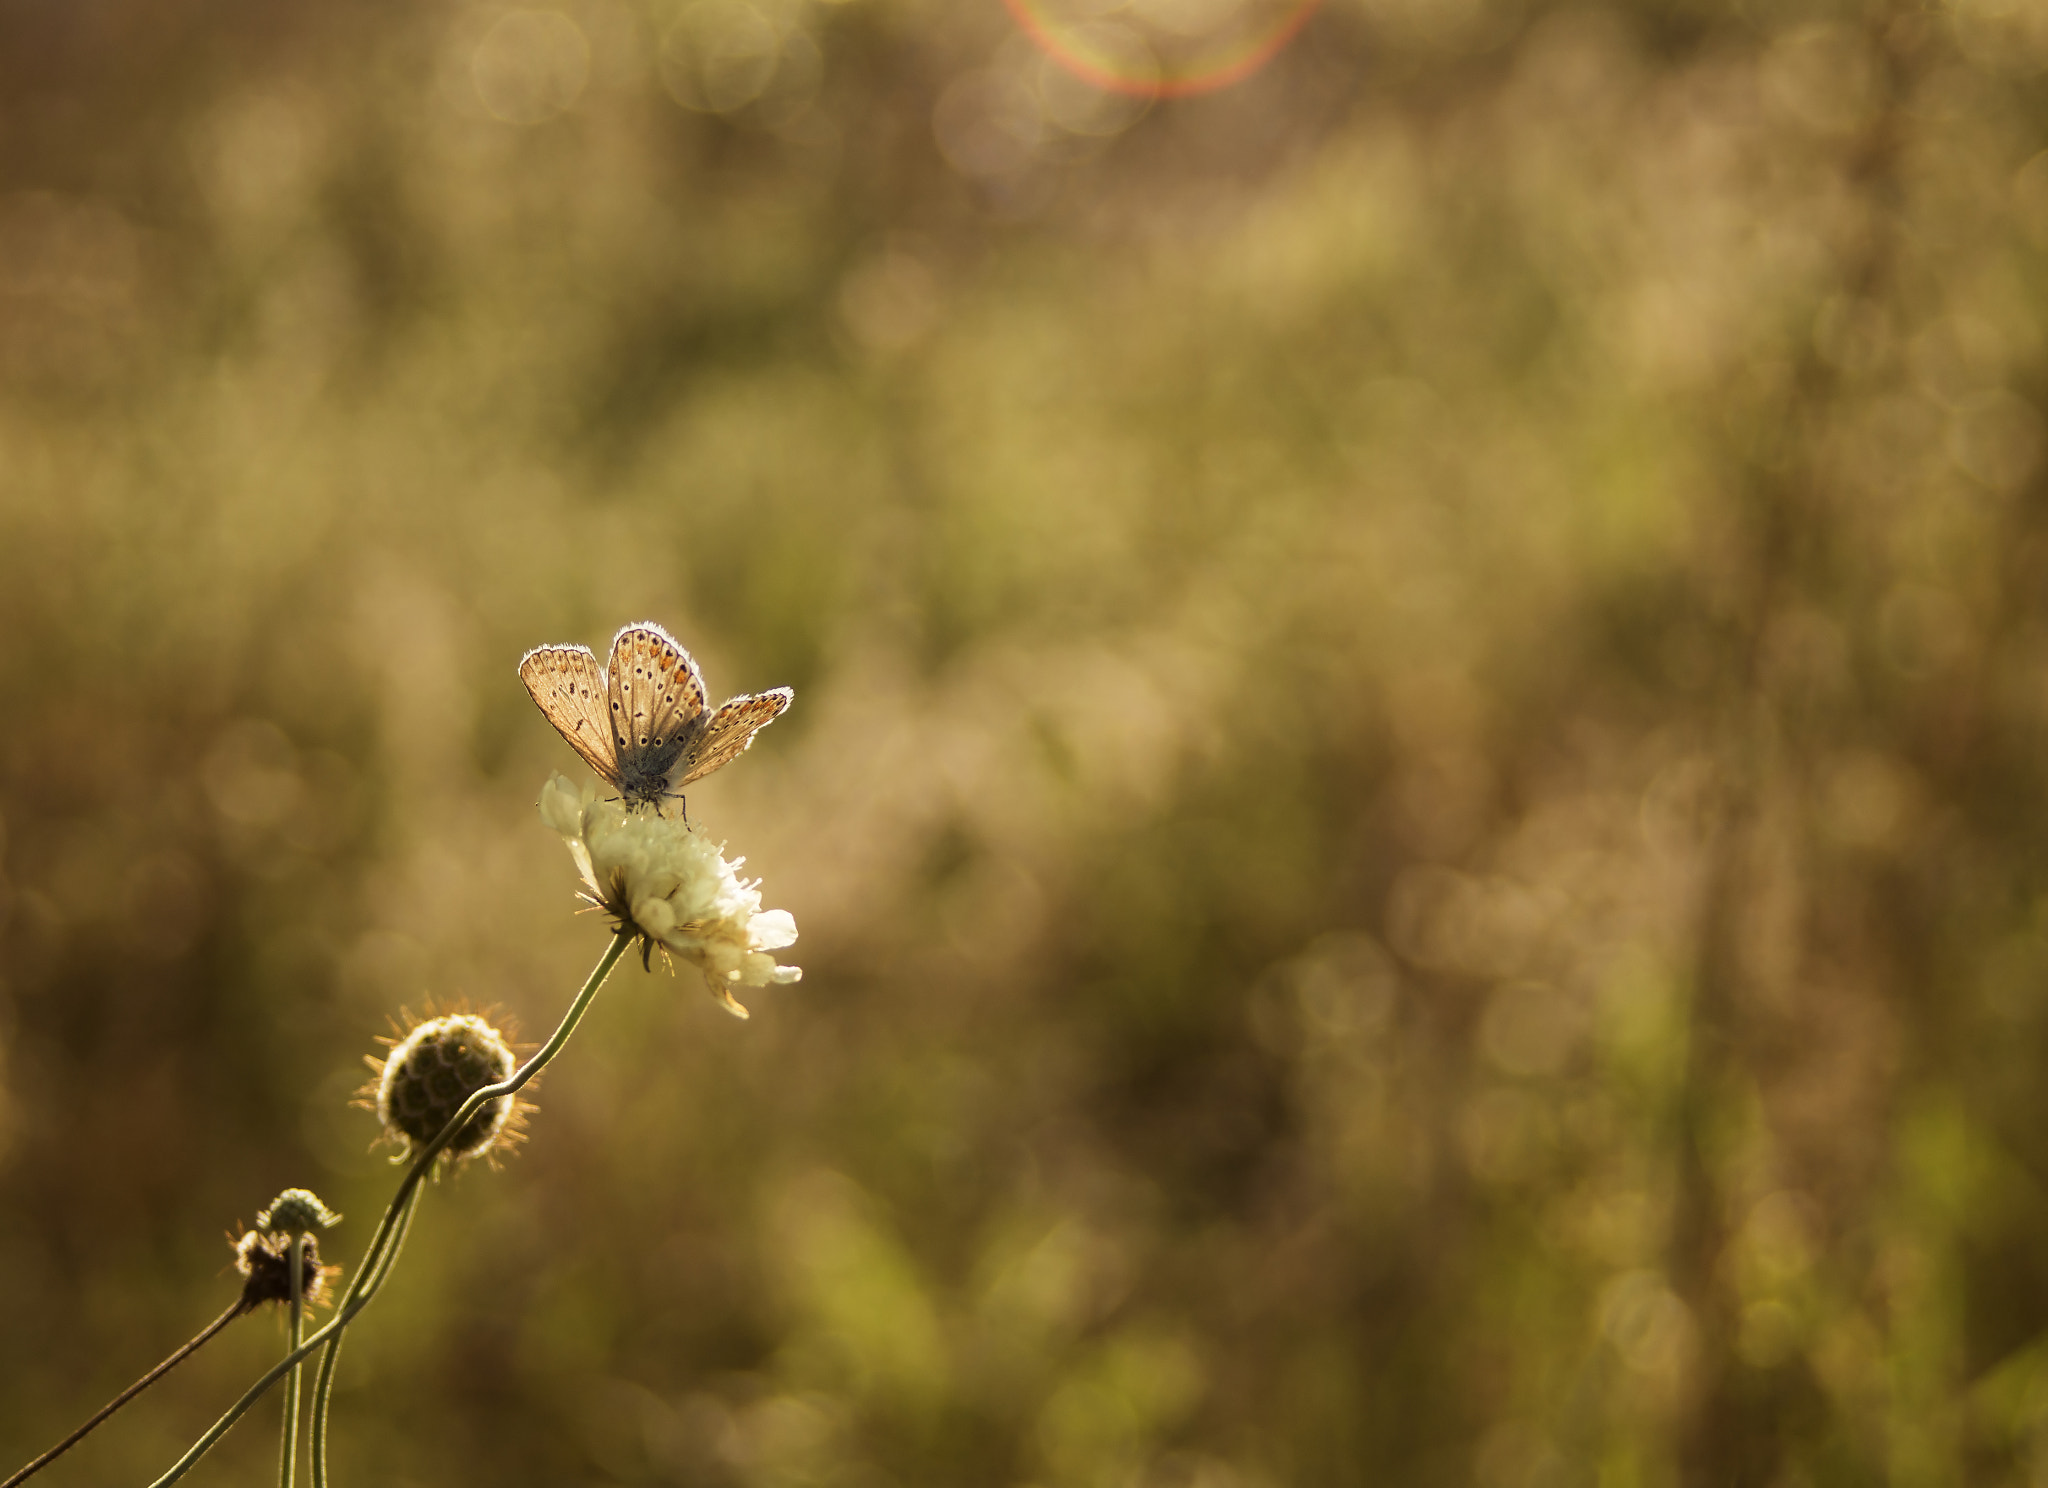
[[657, 708], [569, 687], [731, 730]]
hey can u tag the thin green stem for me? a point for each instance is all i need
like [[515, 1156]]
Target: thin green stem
[[358, 1295], [323, 1383], [289, 1451], [127, 1395]]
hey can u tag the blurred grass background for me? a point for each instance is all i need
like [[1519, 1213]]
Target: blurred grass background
[[1419, 781]]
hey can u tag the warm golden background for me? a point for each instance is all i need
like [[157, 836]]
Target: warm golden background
[[1418, 798]]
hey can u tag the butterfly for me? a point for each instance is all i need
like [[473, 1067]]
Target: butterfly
[[642, 722]]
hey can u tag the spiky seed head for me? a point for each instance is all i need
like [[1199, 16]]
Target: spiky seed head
[[431, 1071]]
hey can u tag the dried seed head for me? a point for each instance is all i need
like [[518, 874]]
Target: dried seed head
[[431, 1071], [266, 1260]]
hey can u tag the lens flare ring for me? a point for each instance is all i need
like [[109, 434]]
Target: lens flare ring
[[1069, 43]]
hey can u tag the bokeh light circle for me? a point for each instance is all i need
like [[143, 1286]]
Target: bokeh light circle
[[721, 56], [530, 66]]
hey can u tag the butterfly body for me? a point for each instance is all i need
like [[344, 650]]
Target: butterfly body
[[641, 722]]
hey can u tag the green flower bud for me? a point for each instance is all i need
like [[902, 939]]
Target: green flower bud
[[296, 1211]]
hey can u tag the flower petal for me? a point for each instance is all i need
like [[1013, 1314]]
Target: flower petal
[[772, 929], [561, 806]]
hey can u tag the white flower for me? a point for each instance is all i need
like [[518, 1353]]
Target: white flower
[[668, 884]]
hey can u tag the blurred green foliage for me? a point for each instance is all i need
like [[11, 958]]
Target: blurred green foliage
[[1419, 777]]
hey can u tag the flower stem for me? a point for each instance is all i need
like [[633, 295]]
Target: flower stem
[[372, 1267], [127, 1395], [323, 1383], [289, 1451]]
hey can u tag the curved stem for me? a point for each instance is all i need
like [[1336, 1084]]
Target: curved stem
[[127, 1395], [289, 1450], [372, 1268], [323, 1383]]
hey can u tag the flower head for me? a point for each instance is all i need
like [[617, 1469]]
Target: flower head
[[667, 883], [431, 1070]]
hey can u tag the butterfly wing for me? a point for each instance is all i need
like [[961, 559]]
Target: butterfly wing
[[731, 730], [656, 696], [568, 686]]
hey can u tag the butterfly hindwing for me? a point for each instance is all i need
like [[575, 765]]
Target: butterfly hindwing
[[568, 686], [656, 700], [730, 731]]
